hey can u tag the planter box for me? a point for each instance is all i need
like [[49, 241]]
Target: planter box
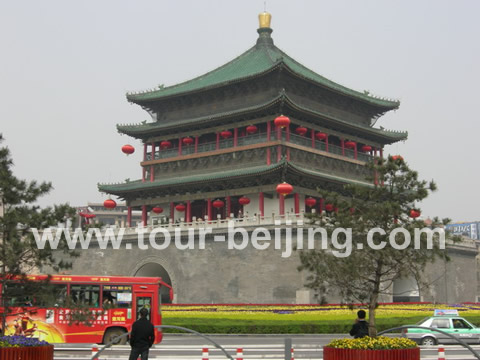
[[351, 354], [27, 353]]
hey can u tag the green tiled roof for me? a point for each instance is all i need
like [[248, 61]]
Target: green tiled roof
[[139, 129], [122, 188], [259, 59], [328, 176], [224, 174]]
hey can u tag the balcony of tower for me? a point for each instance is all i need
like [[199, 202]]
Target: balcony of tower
[[266, 145], [264, 208]]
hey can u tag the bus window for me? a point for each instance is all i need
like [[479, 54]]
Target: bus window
[[15, 294], [85, 294], [53, 295], [143, 302], [118, 296], [34, 294]]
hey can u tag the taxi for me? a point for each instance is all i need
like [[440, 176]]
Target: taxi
[[447, 321]]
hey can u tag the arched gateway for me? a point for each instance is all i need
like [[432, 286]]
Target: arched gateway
[[154, 269]]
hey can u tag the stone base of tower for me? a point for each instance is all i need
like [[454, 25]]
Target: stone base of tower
[[218, 274]]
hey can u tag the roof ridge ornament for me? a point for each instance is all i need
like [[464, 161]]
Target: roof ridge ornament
[[264, 20], [264, 30]]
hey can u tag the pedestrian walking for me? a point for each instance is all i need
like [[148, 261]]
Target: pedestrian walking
[[142, 337], [360, 327]]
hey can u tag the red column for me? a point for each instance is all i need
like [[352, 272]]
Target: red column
[[129, 216], [196, 144], [209, 209], [218, 141], [297, 203], [269, 135], [288, 139], [229, 205], [326, 144], [320, 205], [355, 152], [144, 159], [188, 217], [281, 204], [235, 137], [381, 156], [152, 157], [343, 146], [179, 146], [313, 138], [261, 204], [172, 212], [279, 148], [144, 215]]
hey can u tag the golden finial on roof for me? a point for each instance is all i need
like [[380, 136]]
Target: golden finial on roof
[[264, 19]]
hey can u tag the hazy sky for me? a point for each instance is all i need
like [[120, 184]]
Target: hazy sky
[[65, 67]]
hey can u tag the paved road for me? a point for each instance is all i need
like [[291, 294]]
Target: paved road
[[186, 347]]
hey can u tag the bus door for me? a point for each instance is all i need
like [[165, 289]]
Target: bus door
[[143, 300]]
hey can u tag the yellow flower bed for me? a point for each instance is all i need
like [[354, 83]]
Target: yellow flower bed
[[306, 312], [368, 343]]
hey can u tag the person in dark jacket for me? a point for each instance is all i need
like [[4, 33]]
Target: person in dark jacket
[[360, 327], [142, 337]]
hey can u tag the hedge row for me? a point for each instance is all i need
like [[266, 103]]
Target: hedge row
[[229, 326]]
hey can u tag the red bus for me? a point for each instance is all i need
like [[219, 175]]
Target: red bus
[[113, 300]]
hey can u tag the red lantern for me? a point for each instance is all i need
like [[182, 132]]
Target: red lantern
[[110, 204], [366, 148], [180, 207], [284, 189], [128, 149], [329, 207], [397, 157], [282, 121], [217, 204], [414, 213], [187, 140], [301, 130], [350, 144], [321, 136], [251, 129], [310, 201], [244, 200], [165, 145], [226, 134], [157, 210]]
